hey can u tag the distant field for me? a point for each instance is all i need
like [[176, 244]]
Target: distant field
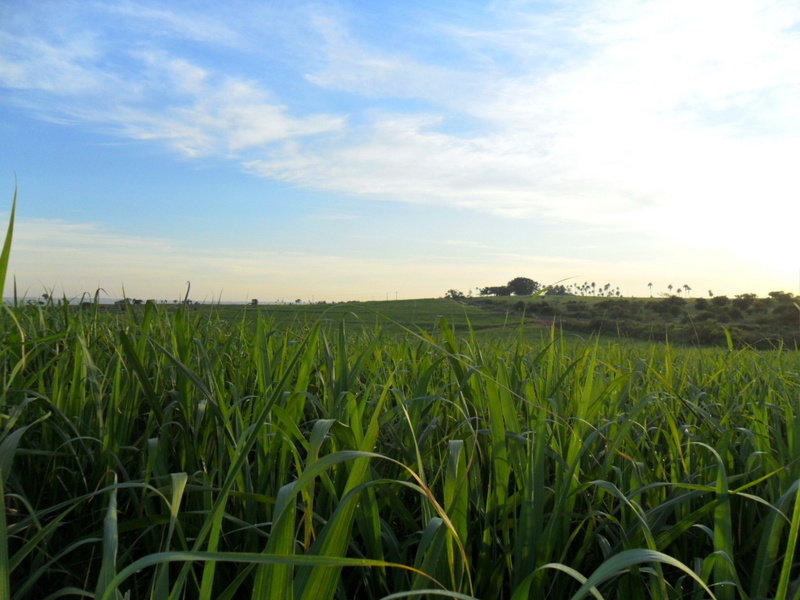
[[744, 321], [420, 313]]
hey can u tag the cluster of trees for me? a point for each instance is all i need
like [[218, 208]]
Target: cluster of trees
[[519, 286], [681, 288], [524, 286]]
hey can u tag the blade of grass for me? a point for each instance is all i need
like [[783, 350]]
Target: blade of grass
[[791, 546], [108, 568], [6, 253], [5, 571]]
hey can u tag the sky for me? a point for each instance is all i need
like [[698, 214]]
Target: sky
[[360, 150]]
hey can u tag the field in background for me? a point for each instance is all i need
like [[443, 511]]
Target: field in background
[[253, 452], [764, 323]]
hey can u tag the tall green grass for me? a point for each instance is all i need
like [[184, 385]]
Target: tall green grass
[[164, 453], [169, 454]]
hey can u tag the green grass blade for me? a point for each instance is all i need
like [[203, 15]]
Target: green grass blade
[[791, 546], [315, 583], [8, 448], [426, 593], [246, 558], [619, 563], [108, 568], [5, 570], [6, 253]]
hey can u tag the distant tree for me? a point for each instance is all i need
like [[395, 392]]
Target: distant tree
[[298, 301], [710, 294], [650, 285], [522, 286], [557, 290], [669, 287], [744, 301], [454, 294], [496, 290], [686, 289], [254, 302], [780, 296]]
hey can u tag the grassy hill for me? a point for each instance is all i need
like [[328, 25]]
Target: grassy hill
[[759, 322], [750, 321]]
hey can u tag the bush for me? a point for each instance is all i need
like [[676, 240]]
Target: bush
[[743, 301], [719, 300], [785, 314], [706, 315], [541, 308]]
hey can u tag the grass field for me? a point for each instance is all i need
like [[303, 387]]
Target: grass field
[[166, 453], [422, 313]]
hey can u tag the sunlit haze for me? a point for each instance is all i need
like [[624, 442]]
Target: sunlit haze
[[370, 150]]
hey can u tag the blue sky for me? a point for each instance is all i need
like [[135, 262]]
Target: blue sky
[[350, 150]]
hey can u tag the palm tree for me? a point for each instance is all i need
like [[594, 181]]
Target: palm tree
[[650, 285], [687, 289], [669, 287]]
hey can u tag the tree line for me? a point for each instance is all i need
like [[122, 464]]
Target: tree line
[[525, 286]]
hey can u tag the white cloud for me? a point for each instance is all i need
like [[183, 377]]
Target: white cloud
[[189, 24], [138, 88], [62, 67], [662, 116], [229, 117]]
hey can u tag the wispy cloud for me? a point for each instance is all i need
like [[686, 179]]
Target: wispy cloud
[[61, 67], [138, 88], [154, 19]]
